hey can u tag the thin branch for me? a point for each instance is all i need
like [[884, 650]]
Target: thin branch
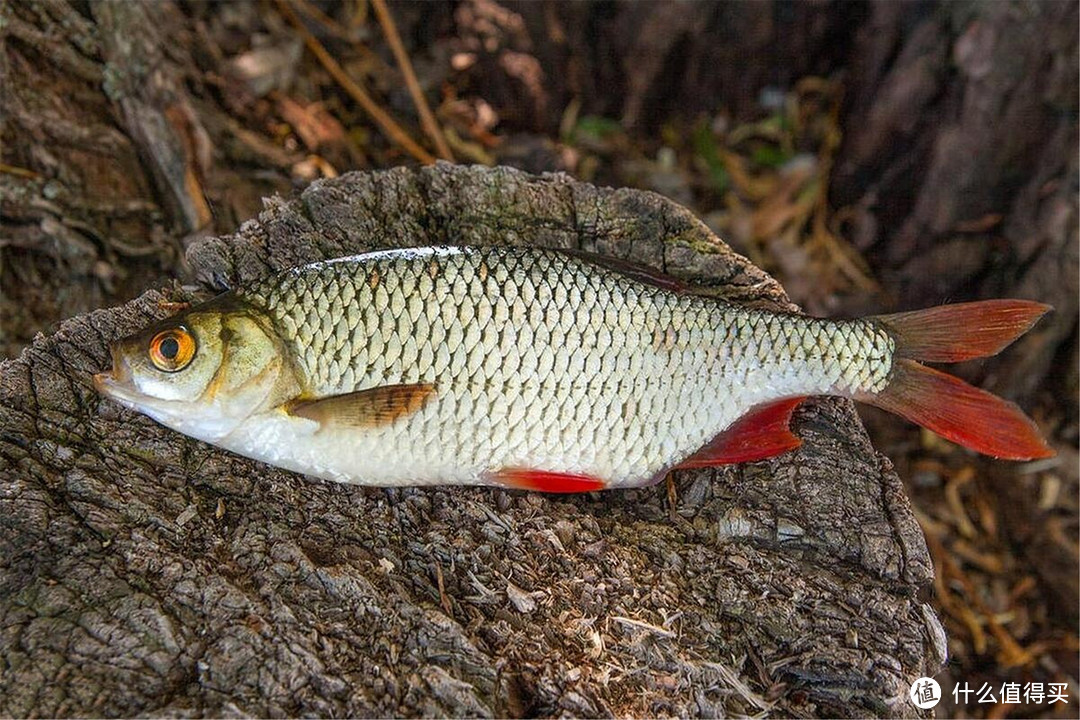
[[332, 25], [643, 625], [380, 116], [427, 119], [18, 171]]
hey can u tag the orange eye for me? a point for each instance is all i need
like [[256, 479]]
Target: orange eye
[[173, 349]]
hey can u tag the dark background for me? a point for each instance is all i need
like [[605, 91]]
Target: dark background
[[872, 156]]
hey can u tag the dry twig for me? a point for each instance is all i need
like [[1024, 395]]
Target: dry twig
[[741, 688], [18, 171], [380, 116], [427, 119], [331, 25], [643, 625]]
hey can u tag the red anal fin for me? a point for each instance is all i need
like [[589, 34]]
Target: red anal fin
[[544, 481], [761, 433]]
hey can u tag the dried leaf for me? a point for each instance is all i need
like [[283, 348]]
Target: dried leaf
[[521, 600], [268, 68]]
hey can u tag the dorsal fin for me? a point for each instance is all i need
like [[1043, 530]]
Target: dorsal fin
[[761, 433], [633, 270]]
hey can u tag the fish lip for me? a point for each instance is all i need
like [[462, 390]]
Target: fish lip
[[114, 383], [102, 380]]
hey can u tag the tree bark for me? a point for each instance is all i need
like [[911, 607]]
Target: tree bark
[[645, 62], [144, 572]]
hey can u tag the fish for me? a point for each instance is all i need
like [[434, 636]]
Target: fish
[[540, 369]]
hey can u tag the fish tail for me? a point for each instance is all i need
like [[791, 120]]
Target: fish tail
[[945, 404], [964, 331]]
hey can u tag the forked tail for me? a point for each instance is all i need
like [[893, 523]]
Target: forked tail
[[945, 404]]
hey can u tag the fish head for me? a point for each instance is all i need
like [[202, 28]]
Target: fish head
[[202, 372]]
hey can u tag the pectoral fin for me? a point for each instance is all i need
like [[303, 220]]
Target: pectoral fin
[[366, 408]]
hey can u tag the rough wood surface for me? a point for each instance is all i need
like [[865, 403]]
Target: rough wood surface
[[142, 572]]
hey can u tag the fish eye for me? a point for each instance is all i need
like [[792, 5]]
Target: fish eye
[[172, 349]]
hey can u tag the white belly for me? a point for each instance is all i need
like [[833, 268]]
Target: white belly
[[625, 436]]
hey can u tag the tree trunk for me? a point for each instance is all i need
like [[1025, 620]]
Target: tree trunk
[[147, 573]]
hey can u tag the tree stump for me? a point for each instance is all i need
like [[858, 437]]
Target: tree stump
[[144, 572]]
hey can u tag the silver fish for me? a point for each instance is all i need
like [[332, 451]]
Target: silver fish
[[539, 369]]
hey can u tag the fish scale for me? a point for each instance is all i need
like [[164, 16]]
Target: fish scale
[[539, 357]]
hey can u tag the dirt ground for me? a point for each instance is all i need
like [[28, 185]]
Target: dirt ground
[[872, 157]]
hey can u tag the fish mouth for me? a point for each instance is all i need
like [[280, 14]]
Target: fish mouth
[[115, 383]]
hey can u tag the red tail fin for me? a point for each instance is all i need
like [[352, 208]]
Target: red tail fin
[[948, 406], [951, 333], [959, 412]]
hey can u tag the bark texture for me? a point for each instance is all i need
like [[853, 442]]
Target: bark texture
[[142, 572], [645, 62]]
